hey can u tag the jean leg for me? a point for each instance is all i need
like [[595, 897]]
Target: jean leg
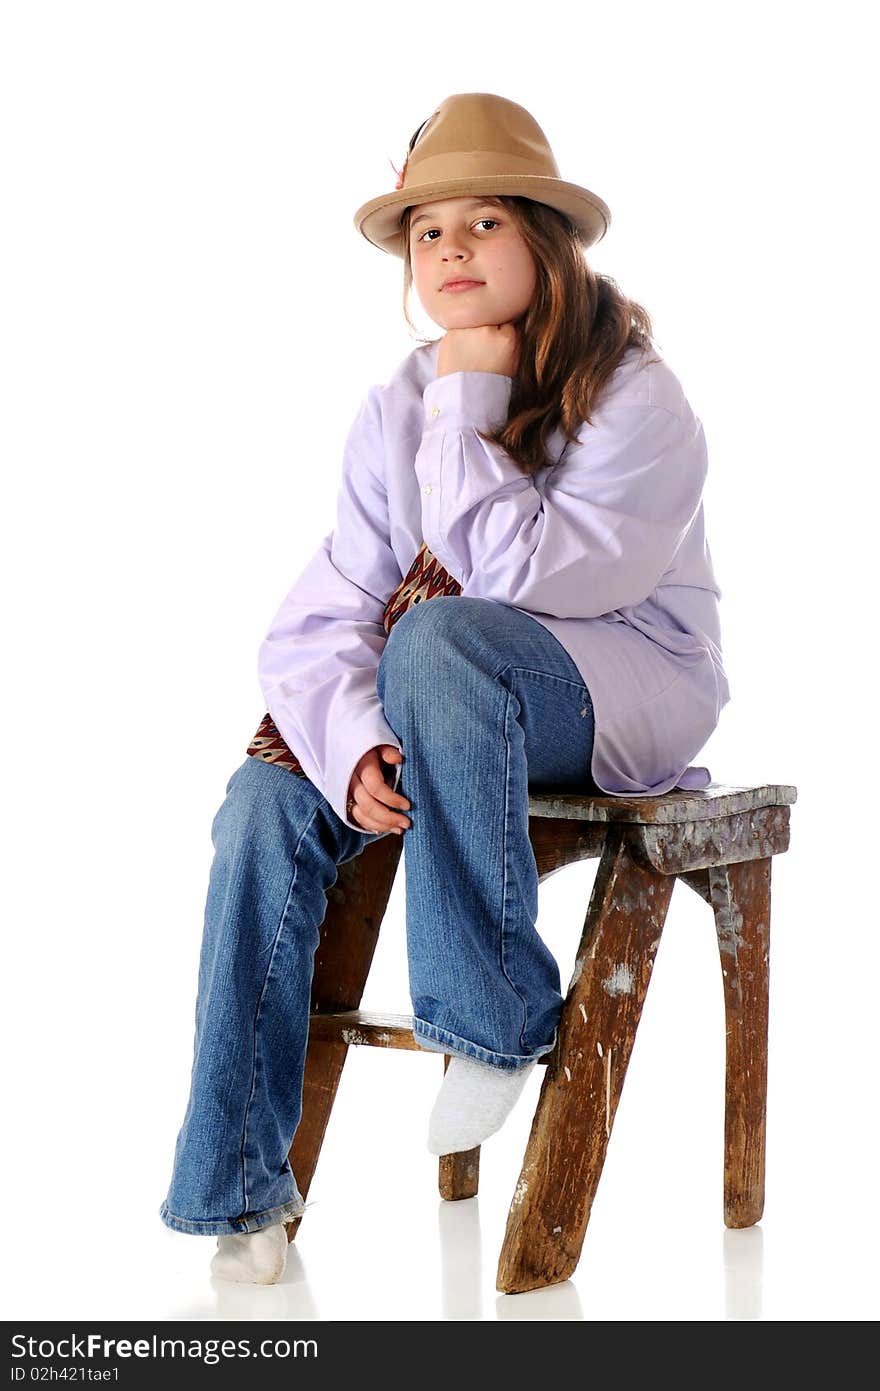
[[486, 702], [278, 844]]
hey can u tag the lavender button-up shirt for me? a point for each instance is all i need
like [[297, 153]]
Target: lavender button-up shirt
[[605, 547]]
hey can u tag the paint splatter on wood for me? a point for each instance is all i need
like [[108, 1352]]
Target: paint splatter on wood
[[621, 980]]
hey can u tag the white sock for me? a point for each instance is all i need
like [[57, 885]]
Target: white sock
[[474, 1101], [257, 1257]]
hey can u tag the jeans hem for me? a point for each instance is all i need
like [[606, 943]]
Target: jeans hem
[[437, 1040], [250, 1222]]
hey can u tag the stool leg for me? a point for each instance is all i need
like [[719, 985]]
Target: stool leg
[[569, 1137], [355, 907], [459, 1175], [740, 897], [323, 1069]]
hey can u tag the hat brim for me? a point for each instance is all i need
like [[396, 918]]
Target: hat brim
[[379, 219]]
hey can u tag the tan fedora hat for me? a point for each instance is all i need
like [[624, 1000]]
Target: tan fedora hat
[[476, 142]]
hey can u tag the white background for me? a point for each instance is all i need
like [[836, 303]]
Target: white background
[[189, 324]]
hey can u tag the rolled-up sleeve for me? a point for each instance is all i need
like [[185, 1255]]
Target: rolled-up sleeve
[[601, 532], [317, 664]]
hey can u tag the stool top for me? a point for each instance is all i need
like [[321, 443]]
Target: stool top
[[678, 805]]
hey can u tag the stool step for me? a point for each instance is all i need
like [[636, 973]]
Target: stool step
[[359, 1026], [364, 1027]]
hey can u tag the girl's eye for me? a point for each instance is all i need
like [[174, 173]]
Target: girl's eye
[[479, 220]]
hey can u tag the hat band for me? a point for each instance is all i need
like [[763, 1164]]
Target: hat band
[[476, 164]]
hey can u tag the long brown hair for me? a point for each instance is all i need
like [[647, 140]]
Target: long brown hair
[[572, 336]]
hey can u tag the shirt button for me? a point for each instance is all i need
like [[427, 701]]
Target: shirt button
[[427, 488], [435, 411]]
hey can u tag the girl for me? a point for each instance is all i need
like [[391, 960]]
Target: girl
[[518, 592]]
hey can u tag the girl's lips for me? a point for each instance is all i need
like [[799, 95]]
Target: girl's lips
[[455, 286]]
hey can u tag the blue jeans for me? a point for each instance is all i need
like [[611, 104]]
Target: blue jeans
[[486, 704]]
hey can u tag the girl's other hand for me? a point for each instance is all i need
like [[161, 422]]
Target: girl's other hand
[[373, 798], [487, 348]]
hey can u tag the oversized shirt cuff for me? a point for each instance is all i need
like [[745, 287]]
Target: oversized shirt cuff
[[459, 399], [346, 756], [349, 740], [456, 404]]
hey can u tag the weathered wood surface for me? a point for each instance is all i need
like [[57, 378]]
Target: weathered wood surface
[[740, 896], [751, 835], [459, 1175], [676, 806], [355, 907], [558, 843], [365, 1028], [370, 1029], [566, 1150]]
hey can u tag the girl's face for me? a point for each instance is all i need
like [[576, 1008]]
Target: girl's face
[[470, 239]]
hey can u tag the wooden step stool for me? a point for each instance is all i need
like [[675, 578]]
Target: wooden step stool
[[720, 841]]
